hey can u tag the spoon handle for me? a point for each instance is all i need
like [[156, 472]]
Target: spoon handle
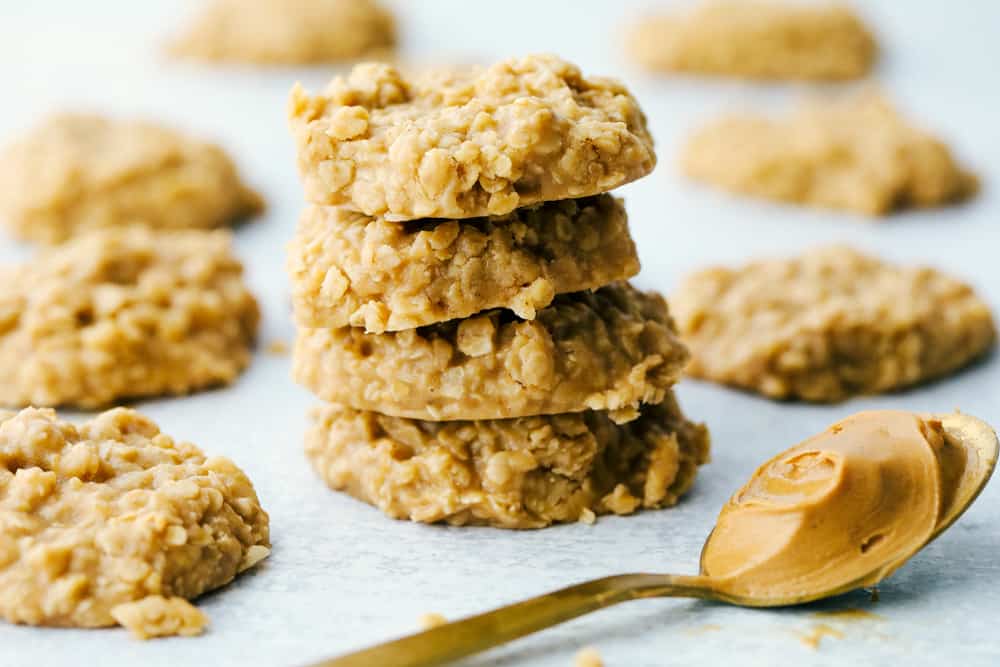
[[459, 639]]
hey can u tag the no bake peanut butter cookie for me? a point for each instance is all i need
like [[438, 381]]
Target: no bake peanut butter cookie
[[756, 39], [470, 142], [287, 32], [828, 325], [513, 473], [124, 313], [115, 522], [612, 349], [79, 172], [856, 154], [349, 269]]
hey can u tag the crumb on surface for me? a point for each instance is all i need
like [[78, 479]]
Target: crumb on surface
[[278, 348], [814, 637], [588, 657], [157, 616], [703, 629], [431, 620]]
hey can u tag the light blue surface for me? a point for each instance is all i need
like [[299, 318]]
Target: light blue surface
[[341, 576]]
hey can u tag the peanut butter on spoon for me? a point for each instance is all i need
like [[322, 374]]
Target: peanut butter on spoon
[[843, 509]]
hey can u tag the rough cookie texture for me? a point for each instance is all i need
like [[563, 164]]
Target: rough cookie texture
[[829, 324], [514, 473], [124, 313], [114, 511], [79, 172], [757, 39], [470, 142], [350, 269], [855, 154], [606, 350], [275, 32]]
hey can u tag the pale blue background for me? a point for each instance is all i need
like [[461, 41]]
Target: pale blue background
[[342, 576]]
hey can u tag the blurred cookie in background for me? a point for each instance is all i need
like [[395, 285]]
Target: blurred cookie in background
[[287, 32], [829, 324], [79, 172], [122, 314], [756, 39], [855, 154]]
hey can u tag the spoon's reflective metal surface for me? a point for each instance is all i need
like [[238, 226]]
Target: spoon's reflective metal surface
[[462, 638]]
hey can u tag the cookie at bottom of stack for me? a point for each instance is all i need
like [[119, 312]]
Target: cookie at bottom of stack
[[515, 473]]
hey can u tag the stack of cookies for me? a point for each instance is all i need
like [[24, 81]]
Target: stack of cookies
[[458, 282]]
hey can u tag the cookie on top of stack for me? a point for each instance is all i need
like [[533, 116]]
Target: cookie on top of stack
[[459, 290]]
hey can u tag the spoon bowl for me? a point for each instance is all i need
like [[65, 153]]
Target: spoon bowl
[[978, 442], [965, 461]]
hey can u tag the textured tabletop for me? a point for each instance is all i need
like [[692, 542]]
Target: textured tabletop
[[341, 575]]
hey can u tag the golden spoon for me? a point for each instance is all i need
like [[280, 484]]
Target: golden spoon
[[884, 484]]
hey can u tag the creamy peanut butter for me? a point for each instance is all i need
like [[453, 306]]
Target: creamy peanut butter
[[841, 510]]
